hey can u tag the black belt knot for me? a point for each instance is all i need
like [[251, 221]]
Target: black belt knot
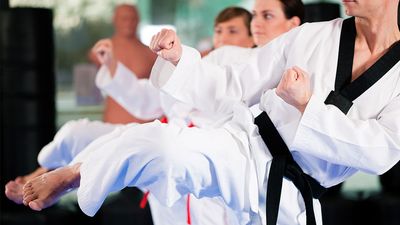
[[283, 165]]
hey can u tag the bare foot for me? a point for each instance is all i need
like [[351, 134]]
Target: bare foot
[[45, 190], [14, 192], [13, 188], [23, 179]]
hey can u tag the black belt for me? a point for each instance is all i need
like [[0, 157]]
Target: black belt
[[283, 165]]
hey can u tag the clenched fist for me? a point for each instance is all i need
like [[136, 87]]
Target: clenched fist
[[167, 45], [103, 50], [295, 88]]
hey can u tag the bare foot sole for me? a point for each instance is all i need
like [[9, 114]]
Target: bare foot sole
[[14, 191], [46, 189]]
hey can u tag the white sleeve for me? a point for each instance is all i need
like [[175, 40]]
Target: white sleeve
[[138, 96], [211, 87], [371, 145]]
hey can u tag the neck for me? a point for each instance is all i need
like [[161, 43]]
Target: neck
[[119, 37], [374, 35]]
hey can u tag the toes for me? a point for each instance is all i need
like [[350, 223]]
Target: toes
[[8, 190], [10, 194], [27, 186], [28, 193], [36, 205], [28, 198], [20, 180], [13, 191], [11, 185]]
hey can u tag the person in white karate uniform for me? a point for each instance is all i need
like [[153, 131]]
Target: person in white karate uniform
[[329, 140], [68, 142], [286, 15], [330, 134]]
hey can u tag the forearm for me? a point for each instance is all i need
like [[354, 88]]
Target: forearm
[[211, 87]]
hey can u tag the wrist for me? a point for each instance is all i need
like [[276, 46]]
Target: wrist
[[302, 107], [175, 62], [112, 67]]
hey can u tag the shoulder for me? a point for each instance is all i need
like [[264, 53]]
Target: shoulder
[[317, 29], [310, 34], [144, 49]]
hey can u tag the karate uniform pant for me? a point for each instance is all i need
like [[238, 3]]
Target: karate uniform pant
[[71, 139], [74, 136], [172, 161]]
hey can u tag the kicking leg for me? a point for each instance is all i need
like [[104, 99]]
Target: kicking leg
[[171, 162], [44, 190], [70, 140]]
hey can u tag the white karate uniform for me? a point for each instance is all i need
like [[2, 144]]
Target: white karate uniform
[[327, 144], [221, 56], [141, 99], [202, 211], [203, 208], [232, 162]]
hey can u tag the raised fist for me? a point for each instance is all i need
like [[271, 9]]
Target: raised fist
[[103, 50], [167, 45], [294, 88]]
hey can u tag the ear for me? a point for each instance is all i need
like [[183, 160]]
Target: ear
[[295, 21]]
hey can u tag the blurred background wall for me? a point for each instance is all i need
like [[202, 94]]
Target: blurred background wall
[[79, 23]]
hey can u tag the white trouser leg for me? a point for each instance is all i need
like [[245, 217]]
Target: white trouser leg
[[167, 160], [72, 138]]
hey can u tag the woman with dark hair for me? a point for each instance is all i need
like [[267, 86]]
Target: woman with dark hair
[[273, 18]]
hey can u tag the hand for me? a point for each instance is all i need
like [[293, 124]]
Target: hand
[[294, 88], [103, 50], [167, 45]]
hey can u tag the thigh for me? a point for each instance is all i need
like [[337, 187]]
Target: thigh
[[168, 160], [70, 140]]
